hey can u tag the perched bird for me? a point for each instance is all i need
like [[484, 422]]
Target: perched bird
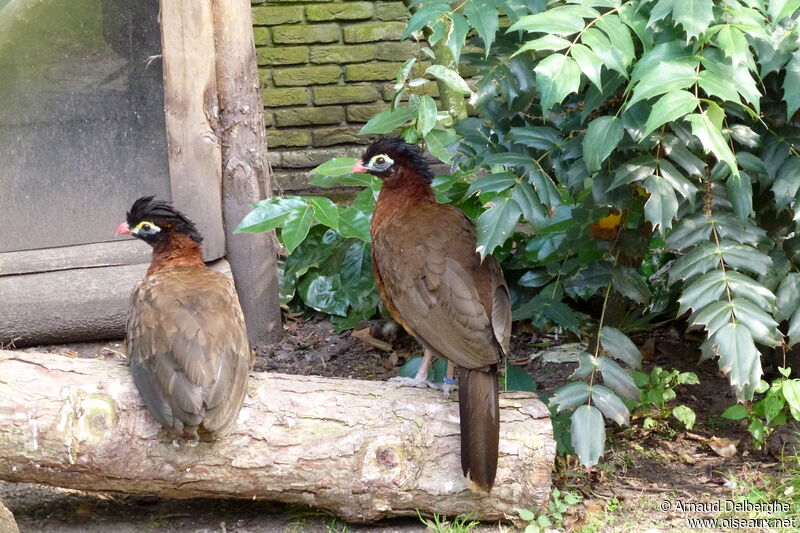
[[187, 343], [435, 285]]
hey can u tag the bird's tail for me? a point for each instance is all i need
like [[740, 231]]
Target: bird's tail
[[480, 424]]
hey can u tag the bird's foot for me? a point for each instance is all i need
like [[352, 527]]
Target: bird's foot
[[413, 382], [448, 386]]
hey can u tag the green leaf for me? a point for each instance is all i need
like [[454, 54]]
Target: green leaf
[[740, 194], [685, 415], [666, 77], [780, 9], [270, 214], [497, 224], [715, 85], [387, 121], [526, 515], [693, 15], [734, 43], [791, 391], [562, 20], [586, 365], [450, 77], [457, 35], [325, 211], [619, 346], [615, 377], [708, 288], [588, 434], [747, 288], [570, 395], [518, 379], [602, 136], [349, 180], [689, 232], [788, 301], [636, 169], [790, 84], [437, 142], [714, 316], [738, 358], [492, 183], [295, 227], [426, 115], [763, 327], [743, 257], [671, 106], [735, 412], [483, 16], [604, 50], [316, 248], [338, 166], [352, 320], [405, 70], [698, 261], [786, 182], [353, 223], [556, 76], [548, 42], [358, 281], [662, 205], [323, 293], [630, 284], [588, 62], [436, 371], [711, 137], [528, 202], [794, 329], [538, 137], [610, 405], [425, 16], [677, 181], [619, 35]]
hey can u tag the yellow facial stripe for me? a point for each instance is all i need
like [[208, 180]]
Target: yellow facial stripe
[[145, 226], [384, 160]]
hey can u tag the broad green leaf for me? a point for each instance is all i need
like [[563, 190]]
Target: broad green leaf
[[405, 70], [325, 211], [735, 412], [763, 327], [493, 183], [711, 137], [788, 302], [703, 291], [316, 248], [791, 391], [689, 232], [426, 115], [338, 166], [556, 76], [637, 169], [619, 35], [749, 289], [457, 35], [437, 142], [570, 395], [287, 285], [450, 77], [714, 316], [738, 358], [548, 42], [615, 377], [664, 78], [483, 16], [699, 260], [742, 257], [296, 226], [586, 365], [662, 205], [562, 20], [680, 184], [544, 187], [619, 346], [528, 202], [734, 43], [790, 84], [780, 9], [323, 293], [425, 16], [693, 15], [677, 152], [518, 379], [270, 214], [353, 223], [740, 194], [508, 159], [387, 121], [599, 43], [357, 179], [671, 106], [497, 224], [715, 85], [538, 137], [358, 281], [630, 284], [610, 405], [602, 136], [590, 65], [787, 182], [588, 434], [794, 329], [685, 415]]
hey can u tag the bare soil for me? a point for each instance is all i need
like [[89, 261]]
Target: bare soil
[[641, 469]]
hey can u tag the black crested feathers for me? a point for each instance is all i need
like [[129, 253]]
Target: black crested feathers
[[161, 212], [404, 154]]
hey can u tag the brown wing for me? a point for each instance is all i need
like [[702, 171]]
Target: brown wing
[[436, 286], [188, 349]]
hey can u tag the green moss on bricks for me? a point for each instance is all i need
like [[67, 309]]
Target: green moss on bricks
[[344, 94], [302, 76], [364, 112], [391, 11], [303, 34], [264, 76], [371, 71], [340, 11], [283, 55], [396, 51], [261, 35], [308, 116], [374, 31], [337, 135], [427, 89], [285, 97], [284, 137], [272, 15], [343, 54]]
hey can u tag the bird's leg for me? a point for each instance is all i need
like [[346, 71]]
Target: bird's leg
[[449, 380], [421, 379]]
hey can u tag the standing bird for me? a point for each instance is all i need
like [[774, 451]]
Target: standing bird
[[187, 343], [435, 285]]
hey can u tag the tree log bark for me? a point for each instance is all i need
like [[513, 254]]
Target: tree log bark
[[363, 450]]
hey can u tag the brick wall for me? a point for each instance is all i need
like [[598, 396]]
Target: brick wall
[[326, 68]]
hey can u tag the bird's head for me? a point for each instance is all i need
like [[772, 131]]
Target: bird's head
[[388, 157], [155, 221]]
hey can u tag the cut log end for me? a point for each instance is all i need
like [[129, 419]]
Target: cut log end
[[363, 450]]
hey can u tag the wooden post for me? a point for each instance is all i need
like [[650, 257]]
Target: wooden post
[[245, 176], [363, 450]]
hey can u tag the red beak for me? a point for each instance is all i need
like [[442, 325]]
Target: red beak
[[123, 229], [358, 167]]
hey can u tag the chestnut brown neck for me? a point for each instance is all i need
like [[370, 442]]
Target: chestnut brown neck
[[177, 250], [398, 194]]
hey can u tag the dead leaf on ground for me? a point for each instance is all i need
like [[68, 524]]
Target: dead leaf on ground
[[723, 447], [365, 336], [648, 349]]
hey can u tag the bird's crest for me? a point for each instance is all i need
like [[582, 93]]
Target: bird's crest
[[402, 153], [148, 209]]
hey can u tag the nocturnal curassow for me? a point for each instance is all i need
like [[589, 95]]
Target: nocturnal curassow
[[187, 344], [435, 285]]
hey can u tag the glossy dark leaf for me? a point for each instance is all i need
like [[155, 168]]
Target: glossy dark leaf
[[588, 434]]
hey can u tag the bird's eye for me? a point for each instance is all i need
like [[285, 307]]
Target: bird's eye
[[380, 161], [145, 227]]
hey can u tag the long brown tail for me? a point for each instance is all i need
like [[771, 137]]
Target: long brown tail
[[480, 424]]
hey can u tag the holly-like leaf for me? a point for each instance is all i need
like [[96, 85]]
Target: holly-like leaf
[[788, 302], [497, 224], [425, 16], [738, 358], [450, 77], [710, 136], [602, 136], [562, 20], [790, 83], [438, 141], [662, 205], [672, 106], [493, 183], [556, 76], [589, 63], [483, 16]]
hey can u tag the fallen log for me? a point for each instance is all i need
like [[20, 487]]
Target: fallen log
[[363, 450]]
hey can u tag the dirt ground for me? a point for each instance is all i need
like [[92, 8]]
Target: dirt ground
[[642, 469]]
